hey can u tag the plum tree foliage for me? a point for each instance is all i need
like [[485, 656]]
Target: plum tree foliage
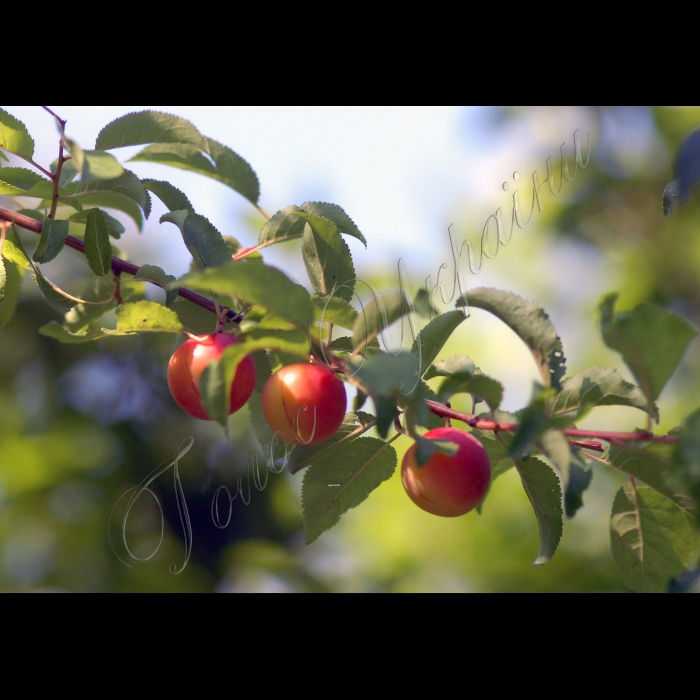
[[231, 290]]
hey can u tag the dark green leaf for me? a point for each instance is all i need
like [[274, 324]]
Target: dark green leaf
[[18, 181], [531, 323], [542, 488], [155, 274], [68, 172], [204, 242], [127, 184], [388, 375], [52, 294], [14, 136], [433, 337], [147, 316], [422, 304], [343, 480], [283, 226], [337, 215], [580, 476], [533, 421], [100, 289], [138, 128], [380, 313], [110, 200], [650, 339], [193, 317], [387, 413], [599, 386], [353, 426], [257, 284], [114, 226], [98, 249], [478, 385], [173, 198], [53, 238], [650, 537], [650, 468], [234, 171]]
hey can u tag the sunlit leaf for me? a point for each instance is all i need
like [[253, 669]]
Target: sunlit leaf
[[114, 226], [155, 274], [284, 225], [337, 215], [147, 316], [14, 136], [18, 181], [13, 274], [433, 337]]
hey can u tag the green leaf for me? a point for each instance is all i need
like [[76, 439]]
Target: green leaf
[[542, 488], [68, 172], [114, 226], [147, 316], [580, 476], [193, 317], [655, 471], [64, 335], [457, 364], [327, 258], [650, 537], [53, 238], [204, 242], [353, 425], [388, 375], [332, 309], [378, 315], [234, 171], [650, 339], [599, 386], [555, 446], [529, 320], [13, 251], [93, 165], [18, 181], [170, 195], [257, 284], [533, 420], [283, 226], [273, 447], [337, 215], [478, 385], [98, 249], [51, 293], [13, 274], [138, 128], [433, 337], [422, 305], [341, 481], [110, 200], [100, 289], [14, 136], [155, 274], [127, 185]]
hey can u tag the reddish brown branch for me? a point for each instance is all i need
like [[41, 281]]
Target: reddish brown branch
[[644, 436], [118, 265]]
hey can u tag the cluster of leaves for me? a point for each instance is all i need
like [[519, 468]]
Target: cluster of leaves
[[651, 524]]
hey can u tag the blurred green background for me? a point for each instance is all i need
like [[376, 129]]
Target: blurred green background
[[82, 424]]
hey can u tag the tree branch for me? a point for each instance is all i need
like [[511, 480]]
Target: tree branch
[[118, 265], [471, 420]]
